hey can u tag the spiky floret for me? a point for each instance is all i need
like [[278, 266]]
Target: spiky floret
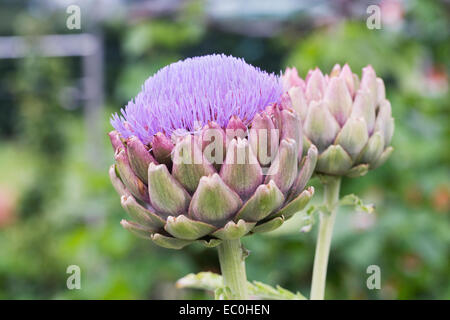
[[189, 93]]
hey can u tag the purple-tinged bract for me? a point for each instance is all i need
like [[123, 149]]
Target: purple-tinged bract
[[189, 93]]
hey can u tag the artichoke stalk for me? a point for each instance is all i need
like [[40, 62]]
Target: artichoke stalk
[[214, 170], [350, 122]]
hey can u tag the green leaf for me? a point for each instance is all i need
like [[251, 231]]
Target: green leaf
[[202, 280], [213, 282], [264, 291]]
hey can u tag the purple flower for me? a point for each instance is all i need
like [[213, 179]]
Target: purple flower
[[189, 93], [209, 151]]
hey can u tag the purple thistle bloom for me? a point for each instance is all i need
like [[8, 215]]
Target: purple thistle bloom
[[189, 93], [210, 150]]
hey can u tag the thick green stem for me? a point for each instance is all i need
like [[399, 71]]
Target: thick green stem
[[331, 198], [232, 265]]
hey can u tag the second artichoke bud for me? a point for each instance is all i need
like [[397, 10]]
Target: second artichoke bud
[[348, 120]]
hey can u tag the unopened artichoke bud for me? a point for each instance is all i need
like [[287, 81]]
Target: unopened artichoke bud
[[206, 183], [348, 120]]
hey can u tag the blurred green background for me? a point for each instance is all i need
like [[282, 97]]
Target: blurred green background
[[57, 207]]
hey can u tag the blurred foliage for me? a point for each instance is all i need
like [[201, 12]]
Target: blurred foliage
[[58, 209]]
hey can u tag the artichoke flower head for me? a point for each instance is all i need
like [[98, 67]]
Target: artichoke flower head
[[347, 119], [206, 152]]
